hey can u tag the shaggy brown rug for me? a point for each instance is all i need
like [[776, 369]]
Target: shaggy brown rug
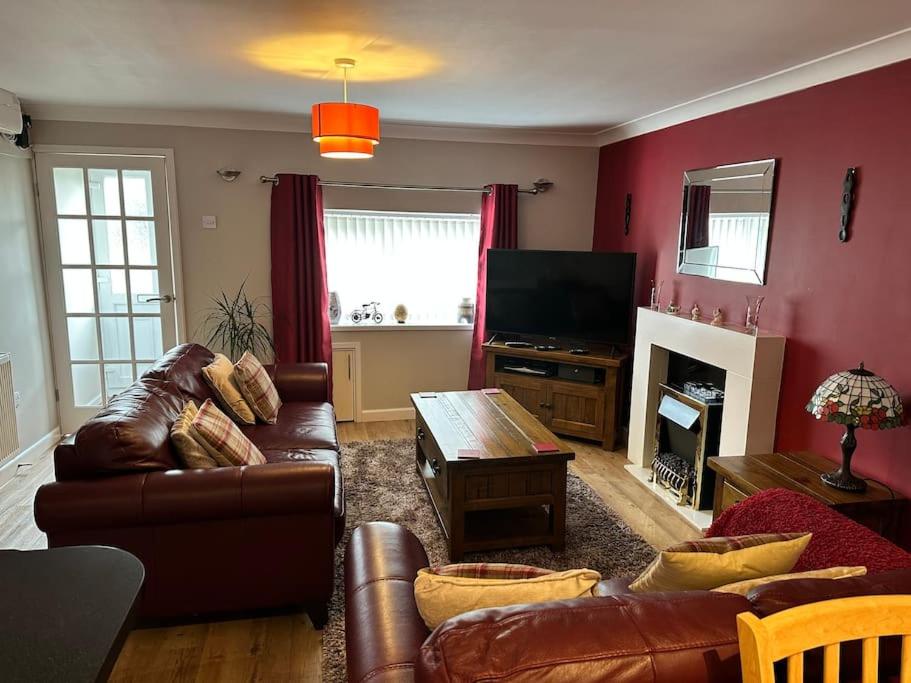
[[381, 483]]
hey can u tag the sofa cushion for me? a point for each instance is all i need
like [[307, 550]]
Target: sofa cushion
[[837, 541], [183, 365], [299, 426], [131, 434]]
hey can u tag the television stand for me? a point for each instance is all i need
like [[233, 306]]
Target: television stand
[[570, 394]]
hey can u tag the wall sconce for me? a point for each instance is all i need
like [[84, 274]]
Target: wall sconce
[[229, 175]]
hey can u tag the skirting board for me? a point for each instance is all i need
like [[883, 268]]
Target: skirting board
[[387, 414], [28, 456]]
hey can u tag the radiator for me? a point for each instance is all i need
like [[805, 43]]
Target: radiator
[[9, 432]]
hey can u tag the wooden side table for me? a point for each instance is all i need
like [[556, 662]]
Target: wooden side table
[[738, 477]]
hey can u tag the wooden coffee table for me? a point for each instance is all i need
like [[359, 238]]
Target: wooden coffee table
[[510, 495]]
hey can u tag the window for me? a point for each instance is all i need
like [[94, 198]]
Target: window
[[739, 241], [426, 261]]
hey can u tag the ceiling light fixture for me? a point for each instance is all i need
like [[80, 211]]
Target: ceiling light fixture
[[345, 130]]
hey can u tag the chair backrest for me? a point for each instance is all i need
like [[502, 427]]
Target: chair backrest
[[790, 633]]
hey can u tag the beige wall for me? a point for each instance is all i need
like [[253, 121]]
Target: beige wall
[[395, 363], [23, 316]]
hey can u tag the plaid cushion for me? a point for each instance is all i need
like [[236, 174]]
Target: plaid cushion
[[490, 570], [222, 439], [725, 544], [257, 388]]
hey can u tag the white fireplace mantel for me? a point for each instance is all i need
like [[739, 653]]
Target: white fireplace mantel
[[753, 366]]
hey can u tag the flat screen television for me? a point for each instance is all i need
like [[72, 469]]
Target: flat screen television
[[567, 295]]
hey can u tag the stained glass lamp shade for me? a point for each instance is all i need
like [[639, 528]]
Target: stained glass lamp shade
[[857, 399]]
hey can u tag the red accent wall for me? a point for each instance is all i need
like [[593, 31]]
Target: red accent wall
[[837, 303]]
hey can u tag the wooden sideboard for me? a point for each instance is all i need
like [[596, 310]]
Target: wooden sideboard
[[737, 477], [577, 395]]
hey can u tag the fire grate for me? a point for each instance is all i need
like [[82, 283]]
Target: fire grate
[[676, 475]]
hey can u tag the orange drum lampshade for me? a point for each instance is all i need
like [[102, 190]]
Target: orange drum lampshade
[[345, 130]]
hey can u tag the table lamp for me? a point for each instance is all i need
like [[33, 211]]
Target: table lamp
[[856, 399]]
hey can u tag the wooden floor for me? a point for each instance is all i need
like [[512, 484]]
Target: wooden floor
[[286, 648]]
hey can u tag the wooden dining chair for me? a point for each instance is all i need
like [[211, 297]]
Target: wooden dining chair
[[790, 633]]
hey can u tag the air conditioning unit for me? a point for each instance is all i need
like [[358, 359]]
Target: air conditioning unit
[[10, 113]]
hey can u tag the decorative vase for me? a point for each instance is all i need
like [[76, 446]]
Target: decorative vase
[[335, 308], [400, 314], [654, 301], [754, 303], [466, 311]]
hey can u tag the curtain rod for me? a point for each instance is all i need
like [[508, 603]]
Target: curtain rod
[[539, 186]]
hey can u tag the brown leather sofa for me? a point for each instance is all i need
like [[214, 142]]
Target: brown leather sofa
[[685, 637], [217, 540]]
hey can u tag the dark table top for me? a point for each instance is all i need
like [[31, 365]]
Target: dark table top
[[65, 612]]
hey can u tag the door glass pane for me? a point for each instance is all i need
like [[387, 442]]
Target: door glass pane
[[69, 189], [108, 237], [74, 241], [112, 290], [144, 284], [141, 243], [115, 339], [86, 385], [147, 335], [104, 193], [117, 377], [137, 193], [83, 338], [77, 290]]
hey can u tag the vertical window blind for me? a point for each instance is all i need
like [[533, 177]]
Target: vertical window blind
[[426, 261], [741, 240]]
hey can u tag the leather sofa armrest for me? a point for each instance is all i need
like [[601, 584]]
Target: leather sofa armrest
[[640, 638], [179, 496], [383, 629], [302, 382]]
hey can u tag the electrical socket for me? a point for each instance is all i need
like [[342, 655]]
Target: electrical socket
[[17, 397]]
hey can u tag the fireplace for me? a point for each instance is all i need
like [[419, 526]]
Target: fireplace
[[745, 367], [688, 429]]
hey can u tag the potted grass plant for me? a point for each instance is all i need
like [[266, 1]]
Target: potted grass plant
[[235, 325]]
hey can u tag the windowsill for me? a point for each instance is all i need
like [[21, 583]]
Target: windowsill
[[405, 327]]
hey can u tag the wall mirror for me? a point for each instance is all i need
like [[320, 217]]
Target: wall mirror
[[724, 225]]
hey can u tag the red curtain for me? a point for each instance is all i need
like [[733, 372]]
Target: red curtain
[[698, 199], [300, 294], [499, 230]]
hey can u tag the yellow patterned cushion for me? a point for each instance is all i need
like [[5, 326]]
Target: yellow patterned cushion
[[257, 388], [222, 439], [219, 375], [441, 594], [707, 563], [190, 452], [744, 587]]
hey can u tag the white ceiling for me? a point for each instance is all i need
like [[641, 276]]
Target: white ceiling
[[571, 66]]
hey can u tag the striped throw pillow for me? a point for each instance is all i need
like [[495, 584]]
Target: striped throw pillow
[[222, 439], [489, 570], [191, 452], [257, 388]]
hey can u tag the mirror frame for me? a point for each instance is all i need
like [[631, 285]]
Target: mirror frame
[[760, 271]]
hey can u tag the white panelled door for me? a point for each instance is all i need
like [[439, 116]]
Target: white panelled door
[[109, 271]]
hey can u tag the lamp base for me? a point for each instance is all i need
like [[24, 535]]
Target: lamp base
[[845, 481]]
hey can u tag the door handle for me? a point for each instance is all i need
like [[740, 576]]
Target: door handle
[[164, 298]]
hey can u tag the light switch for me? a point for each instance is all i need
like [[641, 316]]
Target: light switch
[[209, 223]]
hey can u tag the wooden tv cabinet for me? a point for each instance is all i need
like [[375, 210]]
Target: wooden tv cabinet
[[577, 395]]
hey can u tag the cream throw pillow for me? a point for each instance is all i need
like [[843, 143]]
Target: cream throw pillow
[[441, 596], [711, 562], [257, 388], [744, 587], [219, 375], [191, 453]]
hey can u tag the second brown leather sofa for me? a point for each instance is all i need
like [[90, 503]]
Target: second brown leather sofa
[[217, 540]]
